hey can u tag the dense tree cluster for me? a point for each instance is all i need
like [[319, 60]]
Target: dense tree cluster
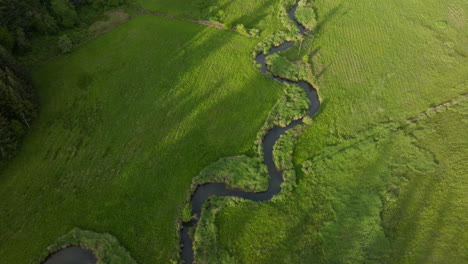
[[17, 107], [21, 20]]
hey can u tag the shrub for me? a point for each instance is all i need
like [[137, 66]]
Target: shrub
[[65, 44], [305, 15], [217, 14], [241, 29], [242, 172], [254, 32], [6, 38], [65, 12]]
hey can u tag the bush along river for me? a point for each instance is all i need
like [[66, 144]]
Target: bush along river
[[78, 255], [203, 192]]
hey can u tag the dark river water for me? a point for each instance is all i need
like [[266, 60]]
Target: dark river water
[[203, 192], [71, 255]]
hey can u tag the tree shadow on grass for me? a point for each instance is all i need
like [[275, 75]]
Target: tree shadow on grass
[[251, 18], [133, 192], [327, 18]]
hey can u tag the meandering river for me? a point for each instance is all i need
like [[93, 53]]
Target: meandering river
[[77, 255], [203, 192]]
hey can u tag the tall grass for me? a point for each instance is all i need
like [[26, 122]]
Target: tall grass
[[240, 172], [125, 123], [378, 63]]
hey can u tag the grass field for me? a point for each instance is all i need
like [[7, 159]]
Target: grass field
[[126, 121], [129, 119], [366, 195], [261, 14]]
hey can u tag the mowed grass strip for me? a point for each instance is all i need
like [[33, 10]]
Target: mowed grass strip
[[125, 123]]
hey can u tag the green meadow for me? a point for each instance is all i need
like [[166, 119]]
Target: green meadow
[[261, 14], [130, 120], [370, 187], [126, 121]]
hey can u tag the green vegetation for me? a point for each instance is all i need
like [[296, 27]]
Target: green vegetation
[[425, 217], [119, 138], [105, 247], [364, 193], [128, 120], [282, 231], [33, 31], [206, 247], [240, 172], [283, 158], [24, 24], [394, 67], [396, 167], [395, 178], [291, 106], [282, 67], [305, 14], [17, 105]]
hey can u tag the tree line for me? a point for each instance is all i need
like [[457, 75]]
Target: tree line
[[20, 22], [17, 104]]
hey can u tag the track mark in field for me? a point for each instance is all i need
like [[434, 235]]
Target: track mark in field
[[206, 23], [437, 109]]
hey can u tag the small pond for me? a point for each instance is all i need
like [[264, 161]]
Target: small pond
[[71, 255]]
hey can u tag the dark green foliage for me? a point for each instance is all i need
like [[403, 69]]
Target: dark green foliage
[[64, 12], [282, 67], [305, 14], [202, 5], [6, 38], [216, 14], [22, 21], [47, 24], [23, 44], [7, 139], [291, 106], [283, 158], [16, 105], [105, 4], [207, 248], [65, 44]]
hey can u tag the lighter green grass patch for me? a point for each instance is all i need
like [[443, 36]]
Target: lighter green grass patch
[[242, 172]]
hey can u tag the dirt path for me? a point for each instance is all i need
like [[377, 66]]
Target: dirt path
[[207, 23]]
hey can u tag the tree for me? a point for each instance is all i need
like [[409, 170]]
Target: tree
[[6, 38], [241, 29], [22, 42], [16, 104], [65, 44], [7, 141], [65, 12]]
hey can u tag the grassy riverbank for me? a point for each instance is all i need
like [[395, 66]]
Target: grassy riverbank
[[375, 71], [125, 123], [130, 118], [374, 189]]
